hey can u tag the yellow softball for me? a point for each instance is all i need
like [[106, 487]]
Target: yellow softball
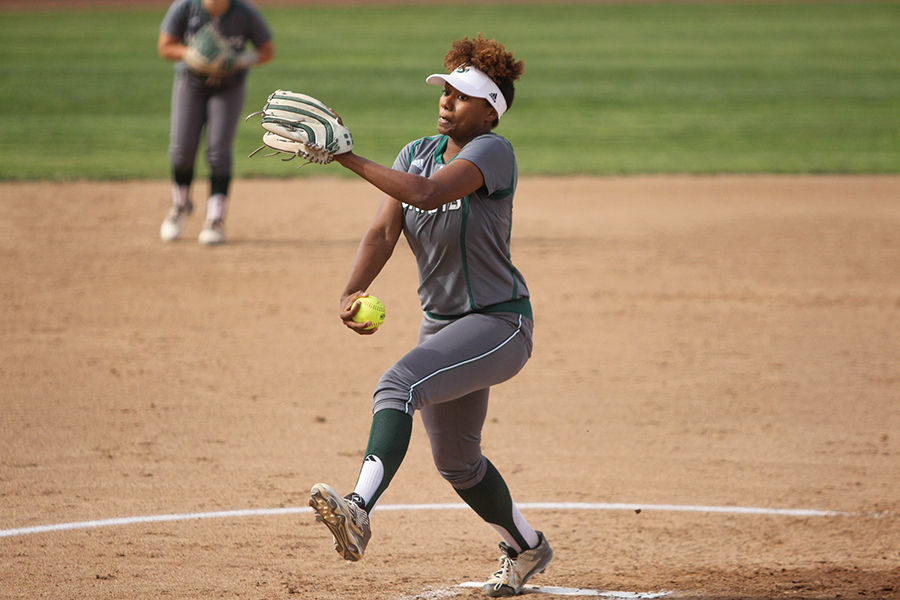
[[370, 309]]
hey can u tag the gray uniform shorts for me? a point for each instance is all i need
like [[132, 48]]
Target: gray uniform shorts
[[447, 378], [195, 107]]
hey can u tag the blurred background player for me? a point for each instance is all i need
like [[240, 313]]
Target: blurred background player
[[451, 196], [216, 103]]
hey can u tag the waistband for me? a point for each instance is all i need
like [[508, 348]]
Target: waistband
[[521, 306]]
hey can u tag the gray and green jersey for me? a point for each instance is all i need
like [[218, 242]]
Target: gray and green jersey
[[462, 249]]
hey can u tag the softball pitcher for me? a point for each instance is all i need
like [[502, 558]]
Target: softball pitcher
[[215, 102], [451, 196]]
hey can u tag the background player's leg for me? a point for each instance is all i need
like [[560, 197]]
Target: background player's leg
[[224, 115], [187, 120]]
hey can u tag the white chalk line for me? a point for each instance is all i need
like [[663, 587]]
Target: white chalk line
[[564, 591], [441, 594], [264, 512]]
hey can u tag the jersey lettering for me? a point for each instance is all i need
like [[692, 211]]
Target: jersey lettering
[[454, 205]]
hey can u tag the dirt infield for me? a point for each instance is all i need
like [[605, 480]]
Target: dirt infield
[[713, 342]]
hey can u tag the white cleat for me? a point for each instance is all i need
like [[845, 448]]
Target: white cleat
[[172, 225], [516, 568], [348, 523], [213, 233]]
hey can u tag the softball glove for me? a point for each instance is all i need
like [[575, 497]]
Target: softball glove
[[209, 52], [300, 125]]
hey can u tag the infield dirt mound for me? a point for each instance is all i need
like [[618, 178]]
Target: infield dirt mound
[[716, 341]]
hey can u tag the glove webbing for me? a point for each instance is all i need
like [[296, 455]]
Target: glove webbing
[[208, 47], [288, 124], [330, 144]]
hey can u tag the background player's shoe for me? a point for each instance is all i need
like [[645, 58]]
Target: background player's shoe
[[347, 521], [518, 567], [213, 232], [174, 222]]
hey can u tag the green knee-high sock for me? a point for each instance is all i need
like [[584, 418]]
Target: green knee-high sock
[[388, 440], [490, 498], [182, 176], [219, 184]]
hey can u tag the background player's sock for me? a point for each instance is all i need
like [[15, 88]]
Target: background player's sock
[[181, 195], [181, 187], [219, 184], [490, 498], [215, 207]]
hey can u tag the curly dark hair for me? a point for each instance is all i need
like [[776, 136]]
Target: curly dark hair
[[489, 56]]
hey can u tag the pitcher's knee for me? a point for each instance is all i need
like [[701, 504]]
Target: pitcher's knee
[[462, 475], [395, 390]]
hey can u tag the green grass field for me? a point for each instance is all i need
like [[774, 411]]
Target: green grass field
[[608, 89]]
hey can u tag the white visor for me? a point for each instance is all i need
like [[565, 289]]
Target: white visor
[[472, 82]]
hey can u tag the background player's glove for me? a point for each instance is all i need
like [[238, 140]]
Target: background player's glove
[[210, 54], [300, 125]]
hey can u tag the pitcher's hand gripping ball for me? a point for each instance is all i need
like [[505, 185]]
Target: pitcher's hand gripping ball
[[300, 125], [370, 309]]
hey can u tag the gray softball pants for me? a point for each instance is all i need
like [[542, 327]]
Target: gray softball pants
[[195, 105], [447, 378]]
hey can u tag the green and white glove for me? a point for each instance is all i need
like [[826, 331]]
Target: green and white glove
[[303, 126]]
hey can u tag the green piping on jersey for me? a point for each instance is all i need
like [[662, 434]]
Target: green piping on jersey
[[464, 219], [514, 272], [412, 149], [499, 195], [440, 149]]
